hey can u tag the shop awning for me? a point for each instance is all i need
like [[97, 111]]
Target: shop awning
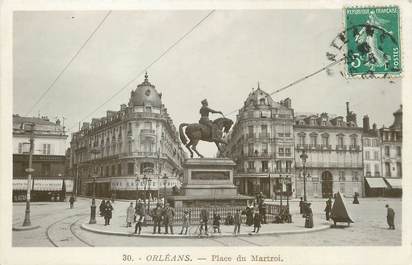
[[394, 183], [20, 184], [48, 184], [375, 183]]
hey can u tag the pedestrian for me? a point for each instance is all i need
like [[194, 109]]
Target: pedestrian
[[355, 198], [168, 214], [229, 219], [129, 215], [139, 216], [308, 216], [156, 215], [204, 218], [185, 222], [108, 213], [237, 221], [249, 216], [301, 205], [328, 208], [390, 217], [102, 207], [71, 200], [216, 222], [262, 213], [256, 222]]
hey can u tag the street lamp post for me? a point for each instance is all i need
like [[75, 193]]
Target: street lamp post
[[304, 156], [145, 186], [93, 206], [148, 197], [164, 183], [137, 188], [29, 170], [281, 189]]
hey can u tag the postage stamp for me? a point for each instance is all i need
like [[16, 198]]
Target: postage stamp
[[373, 41]]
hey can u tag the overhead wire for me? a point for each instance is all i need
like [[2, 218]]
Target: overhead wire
[[174, 44], [299, 80], [68, 64]]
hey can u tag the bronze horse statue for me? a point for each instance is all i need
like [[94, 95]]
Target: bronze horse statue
[[196, 132]]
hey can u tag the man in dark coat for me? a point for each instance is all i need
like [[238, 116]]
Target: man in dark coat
[[249, 216], [390, 217], [301, 205], [156, 215], [168, 214], [308, 216], [102, 207], [204, 218], [256, 222], [139, 216], [71, 200], [108, 213], [328, 208], [237, 221]]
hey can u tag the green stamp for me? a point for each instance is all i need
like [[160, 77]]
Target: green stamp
[[373, 41]]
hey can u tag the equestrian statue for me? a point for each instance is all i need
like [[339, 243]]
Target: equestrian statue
[[205, 130]]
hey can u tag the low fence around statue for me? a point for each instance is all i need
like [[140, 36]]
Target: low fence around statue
[[271, 213]]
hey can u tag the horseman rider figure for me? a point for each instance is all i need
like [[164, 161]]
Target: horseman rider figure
[[204, 119]]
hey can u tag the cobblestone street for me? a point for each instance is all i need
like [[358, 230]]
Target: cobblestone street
[[60, 226]]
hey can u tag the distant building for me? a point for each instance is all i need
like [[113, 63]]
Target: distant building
[[391, 139], [261, 144], [49, 178], [137, 141], [334, 162], [374, 185]]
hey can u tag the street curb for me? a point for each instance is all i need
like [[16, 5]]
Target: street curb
[[25, 228], [317, 229]]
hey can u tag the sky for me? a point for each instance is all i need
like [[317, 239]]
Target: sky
[[221, 60]]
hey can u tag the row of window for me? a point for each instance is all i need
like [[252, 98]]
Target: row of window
[[388, 172], [25, 148], [388, 153], [265, 165], [325, 139], [370, 142], [375, 155]]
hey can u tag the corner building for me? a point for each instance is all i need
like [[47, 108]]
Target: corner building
[[261, 144], [391, 139], [334, 149], [49, 181], [136, 145]]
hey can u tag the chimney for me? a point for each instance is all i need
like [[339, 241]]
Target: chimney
[[366, 126]]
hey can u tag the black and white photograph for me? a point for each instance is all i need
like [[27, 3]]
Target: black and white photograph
[[230, 128]]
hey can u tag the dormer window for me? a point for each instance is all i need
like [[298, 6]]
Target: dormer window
[[262, 101], [148, 109]]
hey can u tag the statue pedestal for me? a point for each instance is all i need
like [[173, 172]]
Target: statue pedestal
[[208, 182]]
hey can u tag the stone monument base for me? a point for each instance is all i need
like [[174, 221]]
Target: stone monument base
[[208, 182]]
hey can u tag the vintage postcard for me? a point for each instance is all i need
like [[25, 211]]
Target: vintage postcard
[[272, 132]]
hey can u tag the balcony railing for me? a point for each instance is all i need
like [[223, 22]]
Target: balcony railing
[[298, 163]]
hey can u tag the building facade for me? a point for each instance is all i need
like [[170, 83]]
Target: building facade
[[374, 185], [391, 149], [261, 144], [333, 146], [130, 152], [48, 159]]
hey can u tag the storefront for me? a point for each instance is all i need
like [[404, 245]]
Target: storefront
[[375, 187], [42, 189], [394, 187]]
